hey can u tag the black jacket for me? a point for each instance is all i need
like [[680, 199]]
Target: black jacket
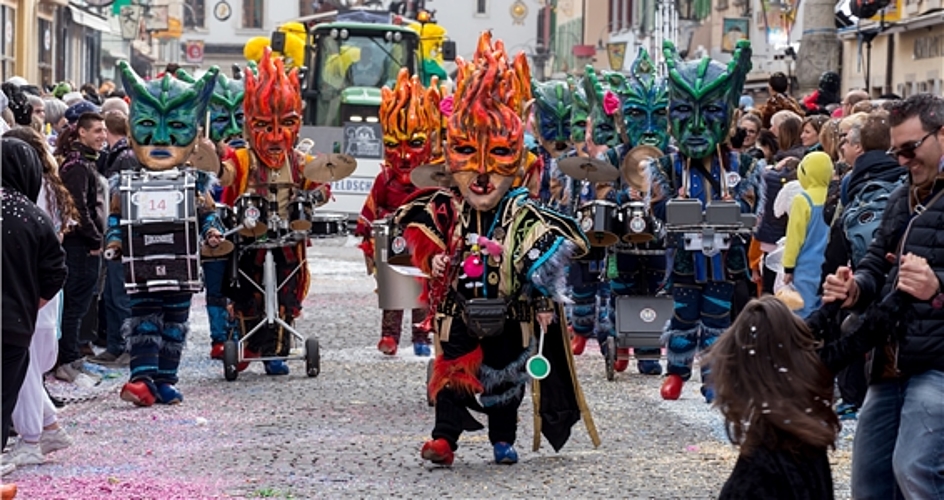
[[79, 173], [773, 228], [34, 265], [119, 157], [919, 332]]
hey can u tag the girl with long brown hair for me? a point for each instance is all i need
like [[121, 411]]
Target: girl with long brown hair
[[774, 385], [58, 201]]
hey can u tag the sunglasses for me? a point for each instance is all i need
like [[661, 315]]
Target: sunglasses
[[909, 150]]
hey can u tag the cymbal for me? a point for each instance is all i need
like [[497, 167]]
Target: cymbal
[[204, 156], [330, 167], [430, 176], [224, 248], [632, 170], [588, 169]]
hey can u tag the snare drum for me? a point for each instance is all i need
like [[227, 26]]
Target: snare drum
[[326, 225], [301, 214], [159, 232], [637, 223], [252, 211], [599, 220], [397, 285]]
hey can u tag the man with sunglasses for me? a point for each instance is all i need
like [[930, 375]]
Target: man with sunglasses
[[900, 433]]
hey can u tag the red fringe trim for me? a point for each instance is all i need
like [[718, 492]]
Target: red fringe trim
[[460, 374], [367, 246], [422, 247]]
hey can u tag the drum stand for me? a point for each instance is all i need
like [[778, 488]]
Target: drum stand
[[233, 349]]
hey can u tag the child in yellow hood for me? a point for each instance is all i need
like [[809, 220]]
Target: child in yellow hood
[[807, 231]]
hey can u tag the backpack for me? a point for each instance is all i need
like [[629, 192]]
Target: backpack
[[860, 220]]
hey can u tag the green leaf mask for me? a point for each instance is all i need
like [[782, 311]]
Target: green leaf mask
[[644, 99], [702, 98], [552, 111]]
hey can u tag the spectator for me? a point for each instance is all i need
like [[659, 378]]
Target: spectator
[[788, 127], [900, 433], [810, 130], [765, 147], [79, 147], [829, 139], [852, 98], [33, 259], [864, 107], [39, 107], [807, 231], [849, 151], [777, 86], [115, 300], [35, 416], [752, 126], [115, 104]]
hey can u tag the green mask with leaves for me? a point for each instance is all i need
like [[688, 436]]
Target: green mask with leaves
[[226, 107], [599, 94], [702, 98], [579, 113], [644, 98], [165, 115], [554, 103]]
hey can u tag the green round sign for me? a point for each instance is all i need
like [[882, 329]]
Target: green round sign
[[538, 367]]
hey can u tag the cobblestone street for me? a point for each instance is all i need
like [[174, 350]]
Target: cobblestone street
[[355, 431]]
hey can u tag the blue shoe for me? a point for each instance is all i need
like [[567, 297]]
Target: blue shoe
[[421, 349], [649, 367], [846, 411], [708, 393], [505, 453], [167, 394], [277, 367]]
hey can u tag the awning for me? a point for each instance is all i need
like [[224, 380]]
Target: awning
[[89, 20], [912, 23]]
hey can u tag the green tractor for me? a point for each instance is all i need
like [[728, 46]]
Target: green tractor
[[349, 60]]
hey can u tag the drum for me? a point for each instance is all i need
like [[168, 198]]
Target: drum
[[300, 215], [160, 232], [398, 286], [599, 220], [228, 219], [637, 223], [327, 225], [252, 211]]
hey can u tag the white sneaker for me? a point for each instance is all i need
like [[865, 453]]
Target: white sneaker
[[84, 381], [6, 467], [56, 440], [24, 453]]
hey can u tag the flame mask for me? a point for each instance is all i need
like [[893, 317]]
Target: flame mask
[[273, 108], [165, 116], [552, 111], [485, 150], [645, 104], [702, 98], [410, 117]]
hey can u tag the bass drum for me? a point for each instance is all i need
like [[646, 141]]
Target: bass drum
[[399, 287]]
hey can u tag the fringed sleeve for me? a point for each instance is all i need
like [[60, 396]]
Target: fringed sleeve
[[427, 219]]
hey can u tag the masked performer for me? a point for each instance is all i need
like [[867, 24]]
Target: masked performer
[[644, 101], [226, 131], [271, 166], [703, 96], [164, 120], [497, 260], [411, 121], [553, 102]]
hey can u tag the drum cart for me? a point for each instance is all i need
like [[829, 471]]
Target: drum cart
[[233, 348]]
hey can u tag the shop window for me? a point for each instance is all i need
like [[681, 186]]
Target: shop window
[[45, 52], [252, 13], [481, 7], [7, 43], [194, 14], [923, 88]]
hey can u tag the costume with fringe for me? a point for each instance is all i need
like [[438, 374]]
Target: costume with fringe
[[487, 374]]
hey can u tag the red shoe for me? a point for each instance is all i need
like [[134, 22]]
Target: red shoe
[[387, 345], [7, 491], [622, 359], [672, 387], [438, 452], [138, 393], [578, 344], [216, 352]]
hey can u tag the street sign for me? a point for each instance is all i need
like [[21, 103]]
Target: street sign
[[130, 20], [194, 50]]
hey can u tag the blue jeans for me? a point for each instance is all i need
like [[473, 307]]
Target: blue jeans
[[899, 442], [117, 305], [76, 298]]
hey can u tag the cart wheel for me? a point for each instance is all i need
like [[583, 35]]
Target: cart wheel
[[312, 357], [230, 360], [610, 358], [429, 377]]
